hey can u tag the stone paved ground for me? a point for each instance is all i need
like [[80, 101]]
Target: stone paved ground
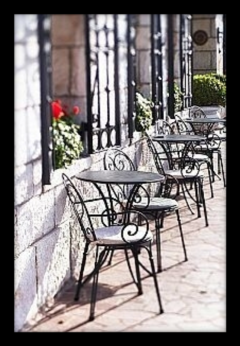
[[193, 292]]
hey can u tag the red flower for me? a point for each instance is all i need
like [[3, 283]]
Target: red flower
[[57, 110], [76, 110]]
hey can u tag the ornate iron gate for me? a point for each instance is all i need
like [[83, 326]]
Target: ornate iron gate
[[44, 26], [103, 115], [131, 61], [186, 59], [156, 67]]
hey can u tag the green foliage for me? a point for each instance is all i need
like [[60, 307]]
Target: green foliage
[[221, 77], [143, 119], [177, 98], [66, 140], [209, 90]]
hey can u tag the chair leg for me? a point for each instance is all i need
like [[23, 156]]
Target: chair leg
[[223, 173], [99, 261], [198, 198], [110, 259], [181, 234], [149, 249], [185, 197], [210, 178], [212, 164], [203, 201], [219, 162], [93, 296], [81, 272], [137, 267], [158, 242]]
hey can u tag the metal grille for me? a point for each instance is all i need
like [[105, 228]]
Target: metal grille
[[103, 120], [44, 25], [156, 67], [170, 66], [131, 56], [186, 59], [224, 44]]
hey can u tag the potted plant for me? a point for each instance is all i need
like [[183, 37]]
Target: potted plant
[[143, 120], [67, 142]]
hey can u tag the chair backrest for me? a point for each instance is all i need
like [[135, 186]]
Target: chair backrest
[[163, 127], [196, 112], [183, 128], [116, 159], [79, 208], [160, 157]]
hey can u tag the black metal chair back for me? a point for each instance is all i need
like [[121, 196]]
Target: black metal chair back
[[160, 156], [80, 209], [116, 159], [196, 112]]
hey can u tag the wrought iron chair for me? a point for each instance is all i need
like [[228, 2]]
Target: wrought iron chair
[[158, 207], [212, 146], [119, 232], [205, 152], [186, 172], [201, 157]]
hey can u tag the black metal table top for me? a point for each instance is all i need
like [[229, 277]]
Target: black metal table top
[[205, 120], [178, 138], [120, 177]]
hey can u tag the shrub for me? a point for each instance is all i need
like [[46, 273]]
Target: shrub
[[209, 90], [143, 119]]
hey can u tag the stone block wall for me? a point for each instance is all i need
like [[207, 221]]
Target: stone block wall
[[68, 61], [42, 238], [206, 57]]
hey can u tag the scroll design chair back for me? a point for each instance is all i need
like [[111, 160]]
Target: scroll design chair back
[[201, 157], [182, 127], [158, 207], [196, 112], [121, 235], [164, 127], [212, 146], [186, 172]]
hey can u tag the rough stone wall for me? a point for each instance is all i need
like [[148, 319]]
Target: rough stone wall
[[68, 61], [143, 48], [42, 261], [205, 56]]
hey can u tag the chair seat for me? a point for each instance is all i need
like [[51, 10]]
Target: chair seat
[[199, 157], [158, 203], [113, 234], [221, 135], [207, 147], [178, 174]]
